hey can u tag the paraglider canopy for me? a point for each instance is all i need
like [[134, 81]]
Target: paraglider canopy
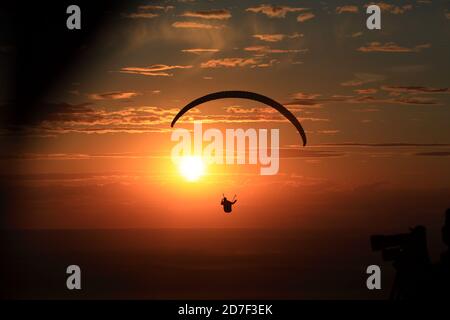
[[244, 95]]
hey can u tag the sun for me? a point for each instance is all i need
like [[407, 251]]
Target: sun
[[191, 167]]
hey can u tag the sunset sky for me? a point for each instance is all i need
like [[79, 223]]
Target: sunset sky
[[375, 106]]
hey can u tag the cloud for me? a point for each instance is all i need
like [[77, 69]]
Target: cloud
[[391, 47], [329, 132], [415, 89], [66, 118], [400, 100], [366, 91], [386, 144], [221, 14], [417, 100], [302, 95], [305, 17], [433, 154], [241, 110], [195, 25], [229, 63], [268, 64], [314, 101], [356, 34], [387, 7], [148, 12], [273, 11], [296, 152], [276, 37], [347, 8], [113, 95], [267, 49], [154, 70], [200, 50], [269, 37], [363, 78]]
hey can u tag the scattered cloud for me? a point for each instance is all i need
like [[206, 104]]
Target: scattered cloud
[[229, 63], [195, 25], [268, 64], [363, 78], [391, 8], [305, 16], [200, 50], [356, 34], [241, 110], [415, 100], [273, 11], [113, 95], [347, 8], [360, 99], [154, 70], [329, 132], [302, 95], [221, 14], [391, 47], [62, 118], [269, 37], [366, 91], [267, 49], [148, 12], [276, 37], [415, 89]]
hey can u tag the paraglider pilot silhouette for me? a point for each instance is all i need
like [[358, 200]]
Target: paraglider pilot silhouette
[[227, 204]]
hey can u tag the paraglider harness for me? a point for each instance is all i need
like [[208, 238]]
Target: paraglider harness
[[227, 205]]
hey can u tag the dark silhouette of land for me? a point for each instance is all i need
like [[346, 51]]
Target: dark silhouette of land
[[416, 276], [227, 263]]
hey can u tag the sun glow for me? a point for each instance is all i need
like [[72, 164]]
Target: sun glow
[[191, 167]]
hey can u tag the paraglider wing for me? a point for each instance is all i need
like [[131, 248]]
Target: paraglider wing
[[244, 95]]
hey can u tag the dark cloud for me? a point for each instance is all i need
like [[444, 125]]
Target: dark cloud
[[415, 89], [362, 99], [113, 95]]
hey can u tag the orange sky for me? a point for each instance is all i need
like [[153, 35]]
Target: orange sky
[[375, 106]]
